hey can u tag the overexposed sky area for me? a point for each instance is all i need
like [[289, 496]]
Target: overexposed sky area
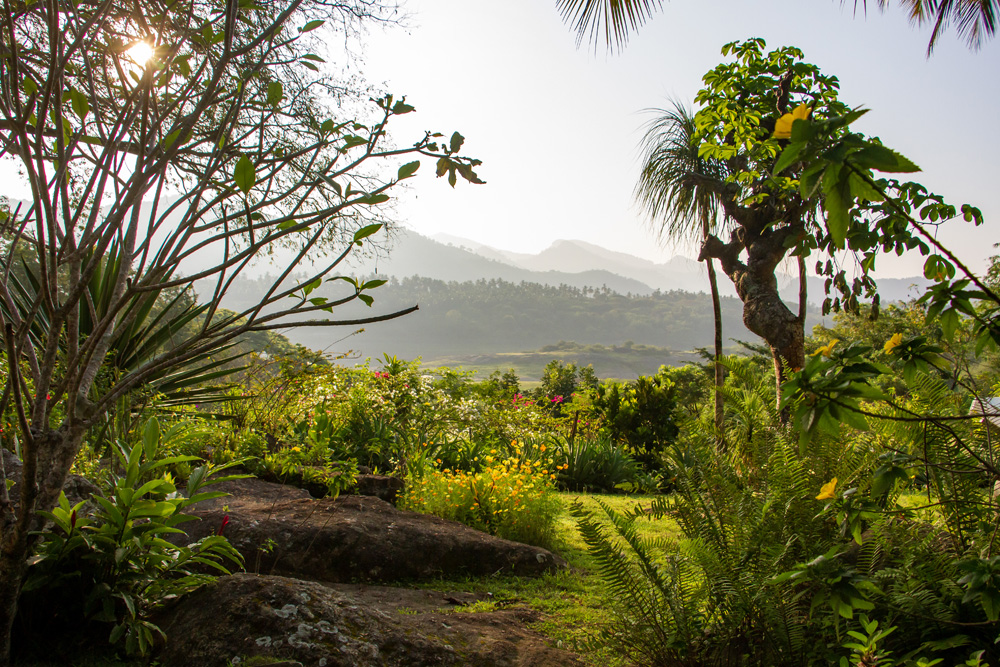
[[558, 127]]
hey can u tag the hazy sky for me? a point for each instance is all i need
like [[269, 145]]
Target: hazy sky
[[557, 126]]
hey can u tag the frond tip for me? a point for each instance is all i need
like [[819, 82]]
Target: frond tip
[[612, 20]]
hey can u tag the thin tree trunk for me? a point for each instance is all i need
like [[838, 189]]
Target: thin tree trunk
[[803, 290], [720, 440]]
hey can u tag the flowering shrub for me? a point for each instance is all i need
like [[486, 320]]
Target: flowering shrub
[[508, 499]]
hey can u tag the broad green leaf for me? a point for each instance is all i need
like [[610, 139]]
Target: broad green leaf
[[456, 142], [408, 169], [374, 199], [245, 175], [372, 284], [788, 157], [275, 93], [312, 25], [81, 107], [313, 285], [837, 203], [880, 158], [171, 139], [368, 300], [364, 233], [151, 438], [401, 107], [313, 57]]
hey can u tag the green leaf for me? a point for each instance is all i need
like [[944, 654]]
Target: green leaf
[[368, 300], [151, 438], [313, 57], [401, 107], [374, 199], [275, 93], [365, 232], [874, 156], [372, 284], [788, 157], [312, 25], [169, 140], [29, 85], [245, 175], [837, 217], [456, 142], [81, 107], [408, 170]]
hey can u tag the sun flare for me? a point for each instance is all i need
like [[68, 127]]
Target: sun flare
[[140, 53]]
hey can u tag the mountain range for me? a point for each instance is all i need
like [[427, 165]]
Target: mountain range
[[477, 304], [577, 264]]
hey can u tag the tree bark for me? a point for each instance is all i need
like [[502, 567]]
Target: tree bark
[[764, 312], [720, 437]]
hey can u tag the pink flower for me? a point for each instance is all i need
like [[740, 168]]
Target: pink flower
[[557, 399]]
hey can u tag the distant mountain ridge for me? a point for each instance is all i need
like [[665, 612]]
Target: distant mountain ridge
[[679, 273]]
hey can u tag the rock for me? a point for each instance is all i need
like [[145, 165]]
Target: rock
[[381, 486], [281, 530], [246, 616]]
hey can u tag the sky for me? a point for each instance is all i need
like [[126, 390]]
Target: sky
[[558, 126]]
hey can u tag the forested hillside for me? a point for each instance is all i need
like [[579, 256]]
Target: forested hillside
[[491, 316]]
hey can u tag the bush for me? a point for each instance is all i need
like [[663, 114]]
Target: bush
[[640, 415], [508, 499], [593, 464], [113, 567]]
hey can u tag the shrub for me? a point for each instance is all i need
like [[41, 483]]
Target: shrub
[[639, 414], [114, 566], [506, 498], [593, 464]]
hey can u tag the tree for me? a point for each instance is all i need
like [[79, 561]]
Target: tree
[[221, 145], [611, 21], [677, 188], [777, 204]]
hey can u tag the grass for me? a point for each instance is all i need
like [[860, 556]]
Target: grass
[[571, 602]]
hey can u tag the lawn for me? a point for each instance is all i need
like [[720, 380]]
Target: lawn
[[571, 601]]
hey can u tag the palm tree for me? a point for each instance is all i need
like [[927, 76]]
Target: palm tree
[[681, 193], [611, 21]]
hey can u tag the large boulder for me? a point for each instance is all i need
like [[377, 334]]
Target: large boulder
[[245, 616], [282, 530]]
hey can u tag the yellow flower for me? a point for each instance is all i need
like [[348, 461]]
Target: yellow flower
[[783, 127], [826, 493], [827, 349], [893, 343]]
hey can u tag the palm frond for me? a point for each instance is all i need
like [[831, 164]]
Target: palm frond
[[679, 190], [610, 21]]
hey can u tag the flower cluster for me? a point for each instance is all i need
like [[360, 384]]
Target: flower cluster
[[508, 498]]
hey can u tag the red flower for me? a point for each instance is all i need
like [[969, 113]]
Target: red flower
[[222, 527]]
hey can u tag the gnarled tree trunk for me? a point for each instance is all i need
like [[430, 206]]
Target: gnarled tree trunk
[[764, 312]]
